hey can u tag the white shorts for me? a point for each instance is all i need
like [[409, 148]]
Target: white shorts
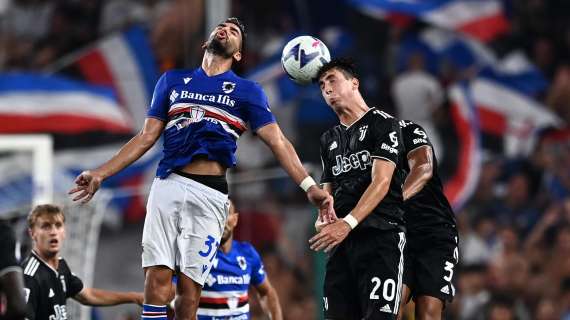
[[183, 226]]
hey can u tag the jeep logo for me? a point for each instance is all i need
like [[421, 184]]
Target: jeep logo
[[360, 160]]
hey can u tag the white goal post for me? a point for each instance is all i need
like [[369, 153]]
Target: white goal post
[[41, 148]]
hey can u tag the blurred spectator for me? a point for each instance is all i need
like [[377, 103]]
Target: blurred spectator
[[418, 95], [178, 34], [472, 292], [28, 20], [516, 207], [547, 309], [477, 242], [500, 307]]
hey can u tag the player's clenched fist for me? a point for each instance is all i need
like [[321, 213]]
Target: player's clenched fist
[[88, 182]]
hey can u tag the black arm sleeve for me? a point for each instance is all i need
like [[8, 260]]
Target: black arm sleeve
[[414, 136], [74, 285], [387, 140], [31, 294]]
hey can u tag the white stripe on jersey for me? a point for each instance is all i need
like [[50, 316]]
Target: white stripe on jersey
[[223, 294], [35, 268], [223, 312], [31, 267], [401, 246], [212, 109]]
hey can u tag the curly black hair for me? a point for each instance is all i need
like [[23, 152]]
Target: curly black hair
[[345, 65]]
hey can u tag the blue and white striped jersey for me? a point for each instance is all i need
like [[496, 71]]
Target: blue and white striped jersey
[[205, 115], [225, 292]]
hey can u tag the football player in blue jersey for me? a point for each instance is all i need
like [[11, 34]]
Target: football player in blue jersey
[[237, 266], [200, 113]]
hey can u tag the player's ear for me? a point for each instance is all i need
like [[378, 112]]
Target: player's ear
[[237, 55], [204, 45], [355, 83], [31, 233]]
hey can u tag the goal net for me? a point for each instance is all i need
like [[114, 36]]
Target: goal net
[[27, 175]]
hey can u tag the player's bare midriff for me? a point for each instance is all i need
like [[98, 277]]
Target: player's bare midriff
[[204, 167]]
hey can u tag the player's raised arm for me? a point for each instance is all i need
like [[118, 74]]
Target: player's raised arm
[[88, 182], [420, 161], [283, 150]]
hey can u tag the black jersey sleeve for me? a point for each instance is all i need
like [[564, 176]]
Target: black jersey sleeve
[[414, 136], [326, 176], [74, 285], [387, 138], [7, 249], [31, 294]]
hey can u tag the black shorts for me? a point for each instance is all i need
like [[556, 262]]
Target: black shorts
[[364, 276], [430, 258]]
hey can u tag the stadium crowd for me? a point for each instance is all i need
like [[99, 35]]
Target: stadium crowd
[[514, 231]]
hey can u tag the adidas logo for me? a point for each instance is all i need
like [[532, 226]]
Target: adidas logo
[[333, 146], [186, 80], [51, 293], [445, 289], [386, 308]]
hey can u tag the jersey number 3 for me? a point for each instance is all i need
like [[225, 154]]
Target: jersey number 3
[[209, 243]]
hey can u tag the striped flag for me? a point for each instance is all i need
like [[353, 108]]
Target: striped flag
[[123, 62], [483, 19], [461, 185], [33, 103]]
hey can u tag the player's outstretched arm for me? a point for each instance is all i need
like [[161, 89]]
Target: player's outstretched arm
[[269, 300], [284, 152], [99, 297], [334, 233], [420, 162], [88, 182]]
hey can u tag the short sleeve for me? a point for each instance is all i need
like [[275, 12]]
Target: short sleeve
[[387, 140], [326, 176], [159, 103], [414, 136], [259, 113], [31, 295], [257, 269], [74, 285]]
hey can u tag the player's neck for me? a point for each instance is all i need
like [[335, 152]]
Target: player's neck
[[213, 64], [227, 245], [352, 112], [51, 259]]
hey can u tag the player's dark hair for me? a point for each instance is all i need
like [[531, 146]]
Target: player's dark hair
[[241, 27], [41, 210], [344, 65]]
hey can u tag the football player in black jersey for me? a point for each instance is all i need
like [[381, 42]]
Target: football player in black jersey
[[431, 251], [12, 305], [361, 170], [48, 279]]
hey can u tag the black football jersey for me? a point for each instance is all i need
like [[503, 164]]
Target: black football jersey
[[429, 207], [47, 289], [347, 154], [8, 261]]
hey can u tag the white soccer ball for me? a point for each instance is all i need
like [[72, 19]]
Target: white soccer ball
[[302, 58]]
